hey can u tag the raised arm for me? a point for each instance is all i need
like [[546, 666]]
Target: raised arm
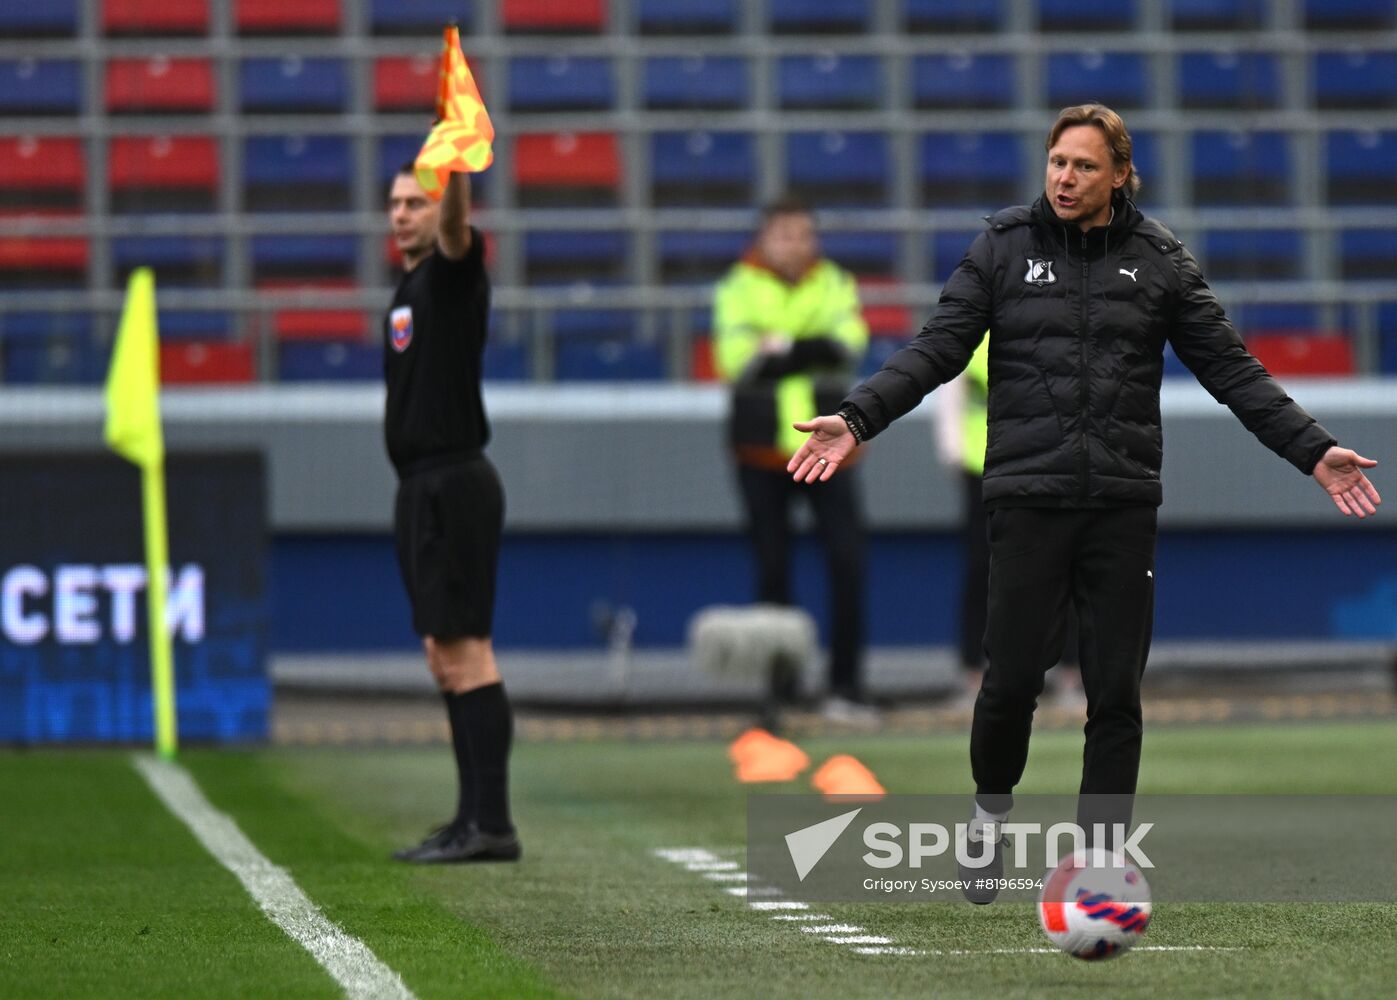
[[453, 227]]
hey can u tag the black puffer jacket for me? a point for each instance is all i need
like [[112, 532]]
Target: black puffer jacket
[[1078, 323]]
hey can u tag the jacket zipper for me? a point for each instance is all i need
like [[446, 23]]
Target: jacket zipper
[[1085, 373]]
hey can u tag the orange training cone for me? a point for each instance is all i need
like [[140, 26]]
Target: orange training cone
[[845, 775], [761, 757]]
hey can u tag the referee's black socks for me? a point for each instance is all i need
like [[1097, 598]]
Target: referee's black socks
[[482, 731]]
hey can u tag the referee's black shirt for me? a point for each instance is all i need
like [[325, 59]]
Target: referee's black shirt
[[433, 336]]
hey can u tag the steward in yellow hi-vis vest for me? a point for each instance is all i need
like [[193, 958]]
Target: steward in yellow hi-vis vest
[[789, 345]]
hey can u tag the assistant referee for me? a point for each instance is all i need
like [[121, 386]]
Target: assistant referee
[[450, 504]]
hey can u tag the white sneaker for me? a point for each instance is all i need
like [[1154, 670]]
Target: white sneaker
[[853, 714]]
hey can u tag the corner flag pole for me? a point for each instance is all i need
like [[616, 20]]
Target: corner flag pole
[[133, 431]]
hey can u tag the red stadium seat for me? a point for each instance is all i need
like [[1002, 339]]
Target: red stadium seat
[[63, 253], [155, 17], [553, 16], [701, 367], [39, 173], [197, 362], [287, 17], [406, 83], [314, 324], [163, 172], [567, 169], [160, 84], [885, 319], [1300, 353]]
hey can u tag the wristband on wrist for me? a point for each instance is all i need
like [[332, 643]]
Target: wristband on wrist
[[854, 420]]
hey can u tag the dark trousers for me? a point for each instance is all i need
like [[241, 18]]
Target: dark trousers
[[1101, 562], [767, 496]]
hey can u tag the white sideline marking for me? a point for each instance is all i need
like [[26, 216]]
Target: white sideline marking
[[859, 939], [352, 964], [882, 950], [779, 904], [802, 916], [726, 876], [712, 866], [833, 929]]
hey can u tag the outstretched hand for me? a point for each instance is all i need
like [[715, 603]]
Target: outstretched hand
[[1340, 472], [830, 442]]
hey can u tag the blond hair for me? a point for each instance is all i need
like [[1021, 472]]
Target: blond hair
[[1112, 129]]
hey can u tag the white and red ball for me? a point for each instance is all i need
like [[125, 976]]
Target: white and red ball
[[1094, 905]]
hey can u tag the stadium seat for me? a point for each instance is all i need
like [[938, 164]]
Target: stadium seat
[[880, 347], [40, 87], [1254, 254], [702, 169], [1145, 155], [605, 345], [304, 256], [984, 169], [314, 323], [1241, 168], [1387, 338], [1350, 15], [569, 169], [287, 17], [27, 19], [293, 84], [163, 173], [419, 17], [945, 250], [1087, 15], [866, 254], [296, 173], [1217, 15], [204, 362], [838, 169], [699, 256], [560, 83], [50, 348], [333, 360], [406, 83], [1361, 168], [155, 17], [820, 17], [953, 16], [181, 324], [1275, 317], [828, 81], [963, 80], [31, 263], [885, 319], [1243, 80], [557, 256], [179, 261], [159, 84], [1368, 254], [695, 83], [688, 17], [1327, 355], [1355, 79], [549, 17], [507, 356], [41, 173], [1118, 79]]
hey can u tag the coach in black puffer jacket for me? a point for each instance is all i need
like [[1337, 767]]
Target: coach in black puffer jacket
[[1080, 293]]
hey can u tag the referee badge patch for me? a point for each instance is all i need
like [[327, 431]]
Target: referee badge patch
[[400, 327]]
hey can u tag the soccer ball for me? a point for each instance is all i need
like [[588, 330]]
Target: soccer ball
[[1095, 904]]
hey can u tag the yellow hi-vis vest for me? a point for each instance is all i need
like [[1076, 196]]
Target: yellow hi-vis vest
[[974, 426]]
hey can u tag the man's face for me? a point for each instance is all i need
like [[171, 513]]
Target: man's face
[[1081, 176], [788, 245], [412, 216]]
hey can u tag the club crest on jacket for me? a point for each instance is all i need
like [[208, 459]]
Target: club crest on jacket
[[1040, 272], [400, 327]]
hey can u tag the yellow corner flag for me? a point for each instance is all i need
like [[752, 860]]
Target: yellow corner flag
[[133, 432], [460, 140]]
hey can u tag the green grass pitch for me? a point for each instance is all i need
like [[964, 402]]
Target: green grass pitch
[[107, 895]]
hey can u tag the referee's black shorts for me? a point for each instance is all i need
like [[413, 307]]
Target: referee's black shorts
[[447, 523]]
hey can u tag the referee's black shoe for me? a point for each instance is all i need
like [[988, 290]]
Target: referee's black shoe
[[981, 885], [452, 843]]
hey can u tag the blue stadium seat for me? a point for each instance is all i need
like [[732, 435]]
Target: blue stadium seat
[[1368, 254], [863, 253], [953, 16], [838, 168], [963, 80], [945, 250], [29, 19], [699, 83], [1145, 154], [40, 87], [1254, 254], [1241, 168], [560, 83], [51, 347], [702, 168], [1086, 15], [318, 256], [983, 169], [1355, 79], [1229, 80], [506, 357], [1118, 79], [1361, 168], [287, 173], [1387, 338], [180, 261], [1217, 15], [563, 255], [827, 17], [605, 345], [698, 256], [826, 80], [293, 84], [321, 361], [202, 325], [414, 17], [1276, 317], [1350, 14], [688, 17]]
